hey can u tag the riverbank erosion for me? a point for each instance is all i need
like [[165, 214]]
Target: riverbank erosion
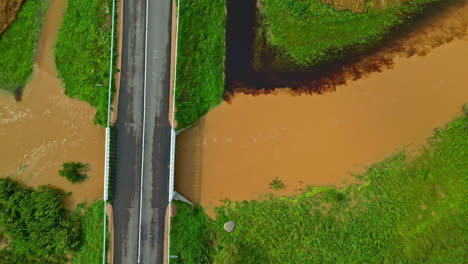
[[47, 128]]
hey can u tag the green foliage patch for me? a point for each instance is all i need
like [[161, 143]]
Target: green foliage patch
[[82, 53], [36, 225], [18, 45], [200, 59], [74, 172], [90, 250], [190, 234], [410, 210], [309, 32]]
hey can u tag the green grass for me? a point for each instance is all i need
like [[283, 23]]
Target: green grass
[[82, 53], [308, 33], [90, 250], [410, 210], [190, 234], [200, 59], [18, 45]]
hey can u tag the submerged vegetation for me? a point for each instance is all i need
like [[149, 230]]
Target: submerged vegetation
[[82, 53], [410, 210], [18, 44], [308, 33], [200, 59], [74, 172]]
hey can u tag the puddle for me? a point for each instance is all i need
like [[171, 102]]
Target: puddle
[[47, 128], [238, 148]]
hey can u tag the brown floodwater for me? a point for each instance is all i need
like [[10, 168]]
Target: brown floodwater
[[238, 148], [47, 128]]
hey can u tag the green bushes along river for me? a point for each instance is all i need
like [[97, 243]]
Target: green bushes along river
[[82, 53], [37, 229], [200, 59], [18, 45], [409, 210]]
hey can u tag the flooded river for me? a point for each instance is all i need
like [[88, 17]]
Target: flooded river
[[237, 149], [47, 128]]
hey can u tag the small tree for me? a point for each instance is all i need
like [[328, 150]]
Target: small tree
[[276, 184], [74, 172]]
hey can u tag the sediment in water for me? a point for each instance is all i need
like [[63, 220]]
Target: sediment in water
[[47, 128]]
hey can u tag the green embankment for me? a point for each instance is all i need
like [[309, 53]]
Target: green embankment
[[200, 59], [410, 210], [307, 33], [18, 44], [92, 226], [82, 53], [36, 228]]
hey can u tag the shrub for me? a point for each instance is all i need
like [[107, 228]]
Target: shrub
[[74, 172]]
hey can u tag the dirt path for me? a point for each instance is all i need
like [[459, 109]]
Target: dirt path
[[238, 149], [48, 128]]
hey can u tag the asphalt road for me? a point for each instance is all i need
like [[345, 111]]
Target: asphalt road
[[129, 130]]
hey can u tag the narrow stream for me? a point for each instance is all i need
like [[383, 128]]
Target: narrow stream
[[47, 128]]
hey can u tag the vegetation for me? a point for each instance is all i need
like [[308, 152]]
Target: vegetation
[[36, 225], [82, 53], [74, 172], [8, 10], [92, 226], [410, 210], [190, 234], [308, 33], [18, 44], [200, 59], [276, 184]]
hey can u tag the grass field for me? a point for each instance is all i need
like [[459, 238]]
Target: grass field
[[200, 59], [308, 33], [82, 53], [18, 44], [90, 250], [410, 210]]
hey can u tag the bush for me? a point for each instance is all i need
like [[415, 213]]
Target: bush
[[82, 53], [74, 172], [36, 225], [18, 44], [200, 59]]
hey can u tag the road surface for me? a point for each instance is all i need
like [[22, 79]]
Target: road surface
[[135, 135]]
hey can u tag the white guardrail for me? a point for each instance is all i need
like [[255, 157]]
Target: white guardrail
[[107, 143], [173, 139]]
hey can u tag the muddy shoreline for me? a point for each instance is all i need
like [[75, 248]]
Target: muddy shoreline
[[405, 42]]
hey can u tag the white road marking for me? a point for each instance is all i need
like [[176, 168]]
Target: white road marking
[[143, 136]]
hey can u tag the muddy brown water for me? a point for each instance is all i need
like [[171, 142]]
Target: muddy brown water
[[47, 128], [238, 148]]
